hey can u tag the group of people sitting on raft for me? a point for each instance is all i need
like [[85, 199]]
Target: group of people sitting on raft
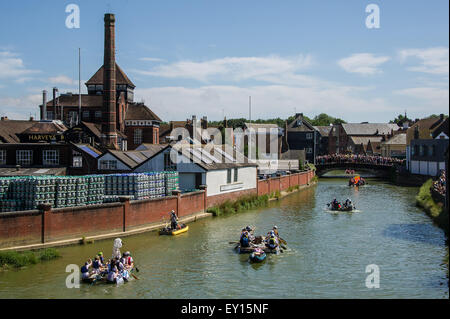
[[356, 181], [115, 269], [336, 205], [271, 240]]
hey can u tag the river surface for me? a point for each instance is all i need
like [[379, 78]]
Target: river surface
[[328, 253]]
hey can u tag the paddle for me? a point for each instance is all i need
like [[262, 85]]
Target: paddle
[[134, 276]]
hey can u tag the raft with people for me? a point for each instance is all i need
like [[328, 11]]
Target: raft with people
[[347, 206], [175, 228], [270, 244], [356, 181], [117, 270]]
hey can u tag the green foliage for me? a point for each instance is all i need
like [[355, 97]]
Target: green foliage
[[20, 259], [325, 120], [424, 199], [242, 204], [319, 120], [435, 210]]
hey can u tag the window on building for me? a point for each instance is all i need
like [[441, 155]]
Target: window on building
[[72, 117], [50, 115], [98, 114], [309, 150], [138, 136], [107, 164], [50, 157], [309, 136], [169, 165], [423, 150], [235, 175], [77, 159], [432, 150], [24, 157], [86, 114], [155, 137], [229, 176], [2, 157]]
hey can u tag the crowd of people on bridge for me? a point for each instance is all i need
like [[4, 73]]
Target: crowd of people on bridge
[[358, 158], [439, 184]]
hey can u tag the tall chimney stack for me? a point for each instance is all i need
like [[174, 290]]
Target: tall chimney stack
[[44, 105], [109, 135]]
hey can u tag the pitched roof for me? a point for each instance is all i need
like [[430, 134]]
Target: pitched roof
[[212, 157], [364, 140], [135, 158], [323, 130], [305, 125], [397, 139], [96, 129], [72, 100], [88, 149], [32, 171], [121, 77], [424, 127], [369, 128], [441, 128], [47, 127], [10, 128], [139, 111]]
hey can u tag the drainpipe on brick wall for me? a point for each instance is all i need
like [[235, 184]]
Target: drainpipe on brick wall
[[177, 193], [45, 213], [126, 208], [205, 195]]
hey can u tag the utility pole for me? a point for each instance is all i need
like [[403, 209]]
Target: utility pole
[[249, 108], [79, 86]]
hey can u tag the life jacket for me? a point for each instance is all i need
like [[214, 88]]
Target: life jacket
[[244, 240], [84, 269], [96, 264], [272, 243]]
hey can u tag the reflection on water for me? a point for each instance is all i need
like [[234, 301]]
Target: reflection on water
[[414, 232], [327, 253]]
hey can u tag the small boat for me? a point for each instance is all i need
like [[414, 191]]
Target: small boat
[[257, 256], [342, 208], [356, 181], [169, 231], [249, 250]]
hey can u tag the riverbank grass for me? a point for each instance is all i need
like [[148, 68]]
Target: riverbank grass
[[20, 259], [242, 204], [433, 209]]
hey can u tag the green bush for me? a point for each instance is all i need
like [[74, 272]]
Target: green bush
[[20, 259], [242, 204]]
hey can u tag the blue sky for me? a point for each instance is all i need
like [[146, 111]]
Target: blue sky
[[207, 57]]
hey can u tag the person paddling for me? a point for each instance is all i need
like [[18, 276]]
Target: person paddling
[[85, 269], [173, 220]]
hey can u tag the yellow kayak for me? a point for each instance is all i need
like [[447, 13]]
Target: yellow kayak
[[179, 231], [168, 231]]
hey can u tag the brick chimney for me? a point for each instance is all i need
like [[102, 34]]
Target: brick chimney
[[109, 135]]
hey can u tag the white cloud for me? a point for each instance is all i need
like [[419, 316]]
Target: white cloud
[[149, 59], [267, 101], [431, 94], [19, 108], [432, 60], [61, 79], [232, 68], [13, 68], [363, 63]]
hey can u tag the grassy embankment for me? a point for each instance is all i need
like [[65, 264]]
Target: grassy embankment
[[20, 259], [242, 204], [433, 209]]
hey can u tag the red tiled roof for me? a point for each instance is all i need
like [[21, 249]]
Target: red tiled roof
[[140, 112], [72, 100]]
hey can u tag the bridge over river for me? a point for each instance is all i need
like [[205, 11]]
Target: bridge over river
[[370, 169]]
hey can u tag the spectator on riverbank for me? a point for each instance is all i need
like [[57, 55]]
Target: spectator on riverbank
[[358, 158], [439, 184]]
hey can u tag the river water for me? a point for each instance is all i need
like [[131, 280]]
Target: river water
[[328, 253]]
